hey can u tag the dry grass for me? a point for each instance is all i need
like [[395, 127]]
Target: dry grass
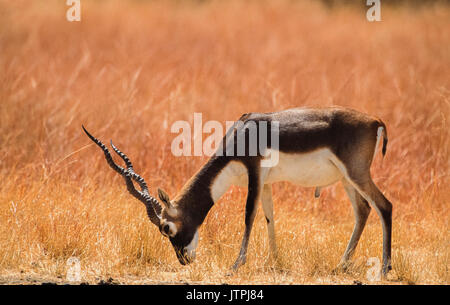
[[129, 70]]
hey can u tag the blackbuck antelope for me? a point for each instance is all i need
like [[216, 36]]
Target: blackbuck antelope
[[316, 148]]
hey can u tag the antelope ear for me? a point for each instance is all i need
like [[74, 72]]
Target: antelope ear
[[164, 198]]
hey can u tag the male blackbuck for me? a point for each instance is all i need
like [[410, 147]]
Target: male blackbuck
[[316, 147]]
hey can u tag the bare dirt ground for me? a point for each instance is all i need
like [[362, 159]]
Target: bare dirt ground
[[173, 278]]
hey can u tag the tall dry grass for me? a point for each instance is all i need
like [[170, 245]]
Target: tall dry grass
[[129, 70]]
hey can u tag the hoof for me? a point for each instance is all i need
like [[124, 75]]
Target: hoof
[[386, 270], [343, 267], [239, 262], [236, 266]]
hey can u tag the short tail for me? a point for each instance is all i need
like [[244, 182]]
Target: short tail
[[385, 139], [382, 131]]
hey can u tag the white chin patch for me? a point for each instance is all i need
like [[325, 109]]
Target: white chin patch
[[190, 249]]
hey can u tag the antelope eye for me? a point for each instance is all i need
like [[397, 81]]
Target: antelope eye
[[166, 229]]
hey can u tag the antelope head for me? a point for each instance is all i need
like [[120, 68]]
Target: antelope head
[[163, 213]]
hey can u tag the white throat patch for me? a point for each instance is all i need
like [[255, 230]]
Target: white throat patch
[[232, 173], [190, 249]]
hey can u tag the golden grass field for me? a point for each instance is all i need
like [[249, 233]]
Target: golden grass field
[[129, 70]]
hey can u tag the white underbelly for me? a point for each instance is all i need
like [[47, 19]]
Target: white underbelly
[[312, 169]]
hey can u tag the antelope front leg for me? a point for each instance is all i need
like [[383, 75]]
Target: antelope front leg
[[254, 192]]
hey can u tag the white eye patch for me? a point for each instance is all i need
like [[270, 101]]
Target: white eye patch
[[169, 229]]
